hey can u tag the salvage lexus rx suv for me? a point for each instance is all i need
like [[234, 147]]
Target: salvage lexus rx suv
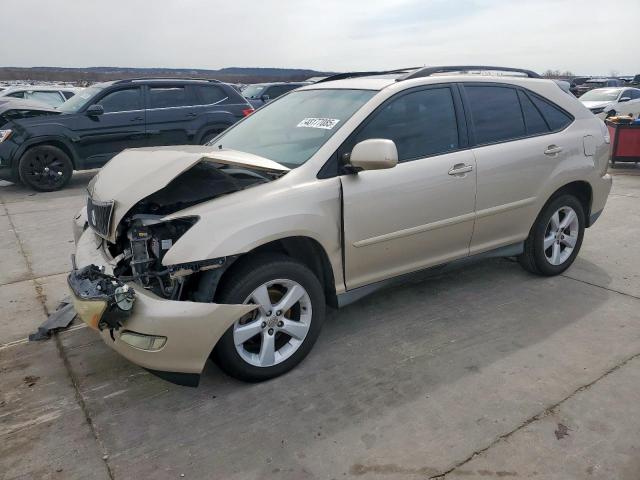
[[231, 250], [104, 119]]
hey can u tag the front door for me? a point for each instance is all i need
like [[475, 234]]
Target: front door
[[100, 137], [421, 212]]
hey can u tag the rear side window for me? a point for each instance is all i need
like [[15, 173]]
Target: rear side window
[[208, 94], [421, 124], [556, 118], [534, 122], [164, 97], [496, 113], [121, 100]]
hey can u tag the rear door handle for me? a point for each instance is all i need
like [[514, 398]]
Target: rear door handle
[[137, 119], [460, 168], [552, 150], [191, 114]]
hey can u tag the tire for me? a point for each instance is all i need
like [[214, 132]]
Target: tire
[[45, 168], [277, 275], [563, 242]]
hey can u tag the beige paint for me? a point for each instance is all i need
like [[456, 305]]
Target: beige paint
[[397, 220]]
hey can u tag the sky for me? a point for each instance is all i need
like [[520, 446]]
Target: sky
[[584, 37]]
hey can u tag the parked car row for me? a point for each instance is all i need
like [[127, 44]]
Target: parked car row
[[42, 147]]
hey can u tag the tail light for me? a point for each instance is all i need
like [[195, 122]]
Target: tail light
[[247, 111]]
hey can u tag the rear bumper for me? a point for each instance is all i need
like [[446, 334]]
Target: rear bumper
[[190, 329], [600, 192]]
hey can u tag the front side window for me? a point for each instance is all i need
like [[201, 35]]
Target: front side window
[[291, 129], [121, 100], [164, 97], [496, 113], [635, 94], [50, 98], [420, 123]]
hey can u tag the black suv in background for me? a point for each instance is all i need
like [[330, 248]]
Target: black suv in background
[[260, 93], [104, 119]]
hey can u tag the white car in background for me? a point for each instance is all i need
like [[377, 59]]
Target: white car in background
[[608, 102], [51, 95]]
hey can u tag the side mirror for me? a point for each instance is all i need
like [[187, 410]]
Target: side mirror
[[624, 99], [265, 98], [94, 110], [374, 154]]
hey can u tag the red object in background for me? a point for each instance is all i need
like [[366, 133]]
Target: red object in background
[[625, 142]]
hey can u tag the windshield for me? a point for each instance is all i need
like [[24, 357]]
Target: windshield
[[600, 95], [79, 100], [291, 129], [253, 91]]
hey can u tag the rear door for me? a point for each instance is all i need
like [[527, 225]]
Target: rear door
[[100, 137], [419, 213], [171, 114], [518, 147]]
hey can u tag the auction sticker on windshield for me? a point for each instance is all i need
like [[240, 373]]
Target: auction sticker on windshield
[[324, 123]]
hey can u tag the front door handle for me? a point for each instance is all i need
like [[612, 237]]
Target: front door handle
[[191, 114], [552, 150], [137, 119], [460, 169]]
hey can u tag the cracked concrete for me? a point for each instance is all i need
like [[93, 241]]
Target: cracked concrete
[[469, 374]]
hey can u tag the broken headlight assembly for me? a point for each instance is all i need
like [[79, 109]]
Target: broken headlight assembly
[[101, 300], [142, 245]]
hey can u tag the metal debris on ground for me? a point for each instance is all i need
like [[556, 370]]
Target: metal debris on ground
[[61, 318]]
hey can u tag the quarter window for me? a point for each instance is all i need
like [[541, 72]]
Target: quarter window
[[421, 123], [556, 118], [122, 100], [496, 113], [210, 94], [163, 97]]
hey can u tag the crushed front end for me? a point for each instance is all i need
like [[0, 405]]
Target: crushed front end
[[154, 315]]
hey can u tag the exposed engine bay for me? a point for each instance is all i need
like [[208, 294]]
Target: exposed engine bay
[[143, 238]]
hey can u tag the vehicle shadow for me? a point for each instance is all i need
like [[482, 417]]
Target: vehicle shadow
[[375, 357], [15, 192]]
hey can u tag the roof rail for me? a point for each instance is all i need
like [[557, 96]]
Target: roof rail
[[342, 76], [428, 71], [178, 79]]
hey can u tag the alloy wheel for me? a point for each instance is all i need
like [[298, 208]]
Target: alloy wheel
[[561, 235], [277, 328], [45, 169]]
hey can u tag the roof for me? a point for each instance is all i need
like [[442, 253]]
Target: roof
[[36, 88], [383, 79]]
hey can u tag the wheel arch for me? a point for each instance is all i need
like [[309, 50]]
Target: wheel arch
[[306, 250], [54, 142], [580, 189]]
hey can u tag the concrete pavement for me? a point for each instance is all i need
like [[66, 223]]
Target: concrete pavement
[[486, 372]]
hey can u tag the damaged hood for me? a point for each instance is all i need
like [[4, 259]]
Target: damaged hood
[[137, 173]]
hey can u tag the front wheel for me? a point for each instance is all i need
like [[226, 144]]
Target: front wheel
[[45, 168], [277, 335], [555, 238]]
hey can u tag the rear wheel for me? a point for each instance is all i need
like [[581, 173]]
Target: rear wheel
[[556, 237], [45, 168], [276, 336]]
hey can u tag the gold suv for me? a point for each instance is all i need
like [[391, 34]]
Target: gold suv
[[232, 250]]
